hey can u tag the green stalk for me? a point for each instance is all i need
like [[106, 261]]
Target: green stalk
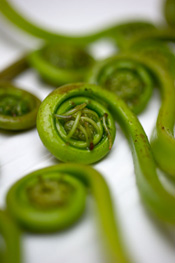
[[14, 69], [155, 196], [120, 32], [11, 237]]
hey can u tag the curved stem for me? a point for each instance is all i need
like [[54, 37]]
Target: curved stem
[[11, 237], [120, 32], [14, 69], [108, 221], [169, 12], [27, 26]]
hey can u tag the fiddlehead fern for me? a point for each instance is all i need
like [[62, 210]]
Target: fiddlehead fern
[[127, 78], [52, 198], [18, 108], [74, 126], [163, 142], [58, 64], [153, 193], [130, 79], [46, 201], [10, 237]]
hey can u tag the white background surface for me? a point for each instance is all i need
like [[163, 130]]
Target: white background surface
[[20, 153]]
